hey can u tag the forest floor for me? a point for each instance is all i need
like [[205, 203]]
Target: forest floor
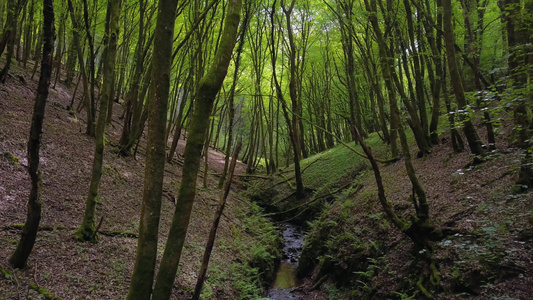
[[73, 270]]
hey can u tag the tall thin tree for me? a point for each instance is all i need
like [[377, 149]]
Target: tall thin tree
[[143, 272], [29, 232], [207, 90], [86, 231]]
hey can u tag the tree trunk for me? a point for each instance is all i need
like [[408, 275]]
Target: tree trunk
[[132, 100], [208, 88], [29, 232], [81, 60], [143, 272], [91, 108], [518, 24], [231, 106], [477, 81], [469, 130], [86, 232], [292, 124], [214, 226], [8, 38], [28, 34]]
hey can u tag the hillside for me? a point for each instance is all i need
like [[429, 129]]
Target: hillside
[[74, 270], [353, 251]]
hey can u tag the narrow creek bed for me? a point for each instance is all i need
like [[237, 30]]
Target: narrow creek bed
[[286, 281]]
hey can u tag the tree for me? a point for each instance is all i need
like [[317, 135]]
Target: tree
[[206, 93], [143, 272], [518, 25], [292, 123], [77, 45], [29, 232], [10, 32], [86, 232], [469, 130], [214, 226], [231, 105]]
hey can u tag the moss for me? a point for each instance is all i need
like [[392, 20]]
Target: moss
[[84, 234], [422, 288], [6, 273], [434, 278], [43, 292]]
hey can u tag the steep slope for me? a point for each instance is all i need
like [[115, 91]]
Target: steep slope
[[102, 271], [352, 251]]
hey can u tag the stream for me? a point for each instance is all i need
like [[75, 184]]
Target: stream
[[286, 279]]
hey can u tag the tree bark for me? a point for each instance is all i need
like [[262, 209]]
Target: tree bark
[[29, 232], [231, 106], [10, 33], [143, 272], [291, 124], [86, 232], [81, 60], [208, 88]]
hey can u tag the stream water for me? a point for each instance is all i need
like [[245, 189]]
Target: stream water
[[286, 279]]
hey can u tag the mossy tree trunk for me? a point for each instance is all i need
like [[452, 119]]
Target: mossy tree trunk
[[29, 232], [86, 232], [231, 106], [132, 97], [518, 25], [91, 127], [208, 88], [143, 272]]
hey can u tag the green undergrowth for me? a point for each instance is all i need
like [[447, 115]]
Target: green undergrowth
[[255, 244], [326, 176], [337, 164]]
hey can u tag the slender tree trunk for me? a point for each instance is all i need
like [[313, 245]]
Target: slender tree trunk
[[518, 25], [292, 123], [81, 60], [28, 34], [133, 93], [29, 232], [8, 38], [91, 126], [208, 88], [177, 130], [477, 81], [231, 105], [59, 49], [86, 232], [214, 227], [143, 272], [469, 130]]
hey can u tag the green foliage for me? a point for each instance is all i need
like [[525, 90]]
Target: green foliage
[[257, 241]]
